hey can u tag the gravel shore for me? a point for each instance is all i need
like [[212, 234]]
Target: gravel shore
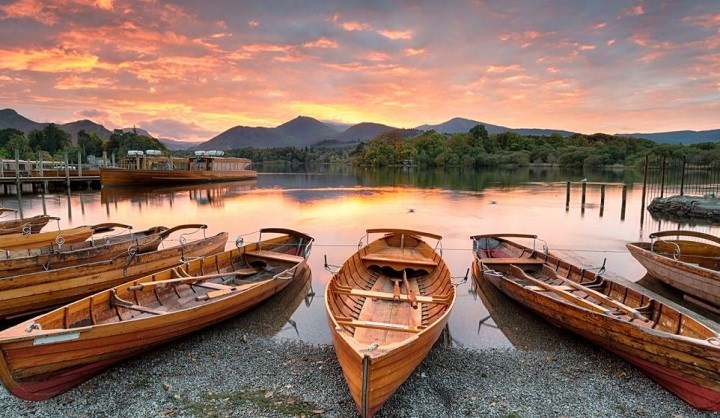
[[237, 368], [232, 370]]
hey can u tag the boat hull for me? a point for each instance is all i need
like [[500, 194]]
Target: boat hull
[[131, 177], [702, 283]]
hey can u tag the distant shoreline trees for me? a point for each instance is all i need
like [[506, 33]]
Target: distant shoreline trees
[[53, 142], [475, 148]]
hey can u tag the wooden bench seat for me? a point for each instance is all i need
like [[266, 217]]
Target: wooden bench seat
[[399, 260], [512, 260], [272, 255], [389, 296], [379, 325]]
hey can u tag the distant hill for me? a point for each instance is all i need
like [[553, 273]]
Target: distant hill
[[11, 119], [299, 132], [679, 137], [460, 125], [89, 126], [305, 131], [367, 130], [177, 145]]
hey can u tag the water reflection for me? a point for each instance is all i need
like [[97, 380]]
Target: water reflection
[[213, 194], [336, 206]]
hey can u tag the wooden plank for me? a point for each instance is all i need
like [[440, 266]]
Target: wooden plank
[[389, 296], [272, 255], [375, 258]]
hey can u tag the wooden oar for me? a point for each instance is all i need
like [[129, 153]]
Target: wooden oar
[[410, 292], [396, 288], [239, 272]]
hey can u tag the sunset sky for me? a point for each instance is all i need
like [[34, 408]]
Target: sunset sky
[[191, 69]]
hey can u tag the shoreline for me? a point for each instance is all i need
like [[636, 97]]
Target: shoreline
[[229, 370]]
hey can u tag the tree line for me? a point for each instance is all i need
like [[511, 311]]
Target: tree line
[[475, 148], [52, 142], [479, 149]]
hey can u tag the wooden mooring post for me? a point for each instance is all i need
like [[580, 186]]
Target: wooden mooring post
[[567, 197], [602, 199], [624, 202]]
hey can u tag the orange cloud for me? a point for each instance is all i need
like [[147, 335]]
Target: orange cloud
[[76, 82], [47, 60], [31, 9]]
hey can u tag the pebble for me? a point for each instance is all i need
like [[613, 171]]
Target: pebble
[[210, 374]]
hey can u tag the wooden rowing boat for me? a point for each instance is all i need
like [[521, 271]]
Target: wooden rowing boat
[[680, 260], [31, 225], [41, 239], [677, 350], [34, 292], [94, 249], [386, 306], [51, 353]]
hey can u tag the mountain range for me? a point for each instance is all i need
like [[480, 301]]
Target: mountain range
[[306, 131]]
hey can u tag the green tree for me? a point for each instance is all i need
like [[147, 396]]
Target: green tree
[[20, 143], [51, 139], [90, 143]]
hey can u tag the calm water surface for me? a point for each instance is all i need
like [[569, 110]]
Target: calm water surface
[[336, 207]]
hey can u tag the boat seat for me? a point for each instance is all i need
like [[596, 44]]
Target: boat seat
[[399, 260], [272, 255], [512, 260], [379, 325], [389, 296]]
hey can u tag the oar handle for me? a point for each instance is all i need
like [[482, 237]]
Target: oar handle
[[411, 295]]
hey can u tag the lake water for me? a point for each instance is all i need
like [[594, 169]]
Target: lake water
[[337, 205]]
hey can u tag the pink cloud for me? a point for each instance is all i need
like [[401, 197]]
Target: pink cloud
[[355, 26], [323, 42], [396, 35]]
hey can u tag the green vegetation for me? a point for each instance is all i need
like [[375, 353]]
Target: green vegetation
[[222, 404], [53, 142], [477, 148]]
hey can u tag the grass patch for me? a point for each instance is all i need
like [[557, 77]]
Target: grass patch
[[220, 403]]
